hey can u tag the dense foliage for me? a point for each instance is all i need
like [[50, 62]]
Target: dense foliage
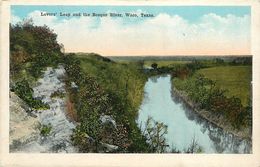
[[206, 95], [236, 79], [32, 48], [94, 98], [177, 69], [25, 92]]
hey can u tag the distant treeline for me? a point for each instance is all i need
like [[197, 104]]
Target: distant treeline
[[247, 59], [194, 63]]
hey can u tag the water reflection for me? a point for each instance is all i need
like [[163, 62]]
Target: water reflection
[[183, 123], [222, 140]]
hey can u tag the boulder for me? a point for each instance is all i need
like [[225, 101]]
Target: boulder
[[24, 128], [107, 119]]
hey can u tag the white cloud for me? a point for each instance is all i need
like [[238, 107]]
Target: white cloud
[[163, 34], [41, 20], [15, 19]]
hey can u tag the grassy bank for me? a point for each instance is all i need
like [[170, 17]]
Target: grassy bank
[[218, 120], [125, 79], [222, 92], [106, 88], [235, 79]]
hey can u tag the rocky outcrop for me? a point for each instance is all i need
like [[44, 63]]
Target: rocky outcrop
[[25, 135], [24, 127], [107, 119]]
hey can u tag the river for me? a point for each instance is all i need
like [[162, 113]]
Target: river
[[184, 125]]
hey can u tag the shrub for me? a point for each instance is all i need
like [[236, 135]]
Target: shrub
[[58, 94], [25, 92], [105, 87], [204, 93], [32, 44], [155, 135], [45, 129]]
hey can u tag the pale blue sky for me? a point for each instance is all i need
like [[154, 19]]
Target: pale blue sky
[[191, 13], [174, 30]]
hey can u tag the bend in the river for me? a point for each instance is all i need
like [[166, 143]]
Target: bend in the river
[[183, 124]]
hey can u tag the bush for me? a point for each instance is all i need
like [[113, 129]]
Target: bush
[[105, 87], [154, 66], [25, 92], [45, 130], [58, 94], [32, 44], [204, 93], [155, 135]]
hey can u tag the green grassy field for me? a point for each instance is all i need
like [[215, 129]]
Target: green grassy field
[[148, 63], [235, 79]]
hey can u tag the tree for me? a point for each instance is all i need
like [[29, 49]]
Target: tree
[[154, 66], [33, 47], [155, 135], [194, 147], [249, 114]]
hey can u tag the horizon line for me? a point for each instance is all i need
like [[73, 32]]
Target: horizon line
[[224, 55]]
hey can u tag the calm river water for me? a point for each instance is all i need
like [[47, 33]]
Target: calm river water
[[183, 124]]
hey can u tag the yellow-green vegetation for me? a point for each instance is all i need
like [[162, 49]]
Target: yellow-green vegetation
[[235, 79], [116, 77], [123, 61], [162, 63], [217, 90], [106, 87], [32, 49], [45, 129], [57, 94], [25, 92]]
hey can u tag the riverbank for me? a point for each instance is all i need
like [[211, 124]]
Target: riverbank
[[100, 88], [216, 120]]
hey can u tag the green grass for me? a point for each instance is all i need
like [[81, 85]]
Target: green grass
[[116, 76], [235, 79], [124, 85], [148, 63], [162, 63]]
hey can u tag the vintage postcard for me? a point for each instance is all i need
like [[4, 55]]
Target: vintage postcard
[[129, 83]]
